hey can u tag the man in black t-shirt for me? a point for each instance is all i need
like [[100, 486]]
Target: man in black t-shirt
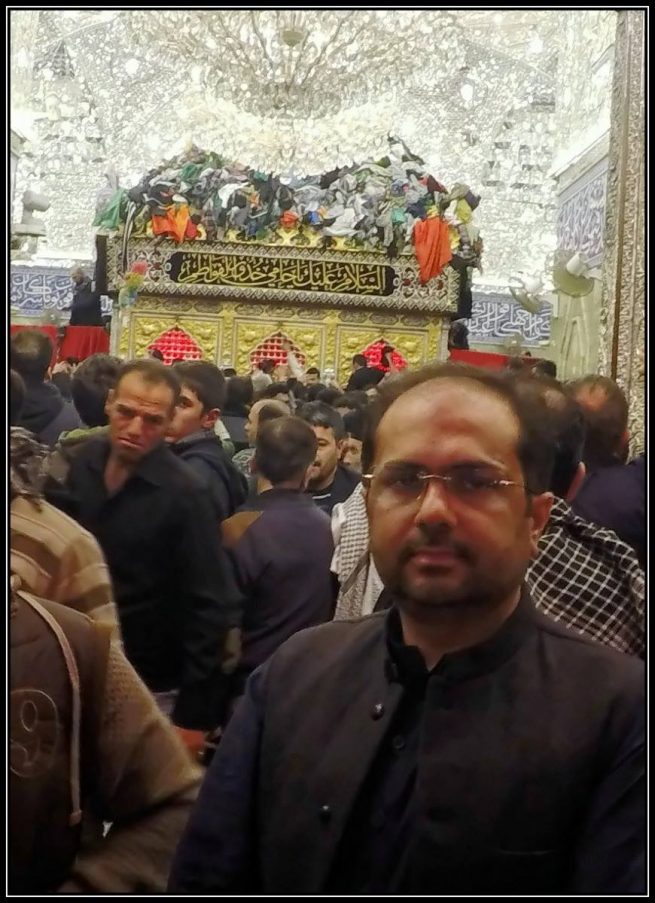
[[86, 309], [363, 377], [329, 481]]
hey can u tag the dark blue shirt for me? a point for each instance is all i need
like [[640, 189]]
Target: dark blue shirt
[[281, 547], [615, 497]]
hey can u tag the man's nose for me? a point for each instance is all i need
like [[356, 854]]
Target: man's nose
[[135, 427], [435, 505]]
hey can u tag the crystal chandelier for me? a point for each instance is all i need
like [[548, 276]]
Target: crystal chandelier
[[299, 63], [305, 91]]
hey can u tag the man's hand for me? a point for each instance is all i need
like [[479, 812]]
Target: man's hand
[[193, 740]]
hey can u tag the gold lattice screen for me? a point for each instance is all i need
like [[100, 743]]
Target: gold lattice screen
[[239, 335]]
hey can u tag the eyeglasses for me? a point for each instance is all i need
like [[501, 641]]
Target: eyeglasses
[[407, 484]]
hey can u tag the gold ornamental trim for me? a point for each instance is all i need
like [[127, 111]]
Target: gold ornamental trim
[[229, 332], [273, 275]]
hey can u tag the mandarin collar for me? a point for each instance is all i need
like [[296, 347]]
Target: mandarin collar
[[406, 664]]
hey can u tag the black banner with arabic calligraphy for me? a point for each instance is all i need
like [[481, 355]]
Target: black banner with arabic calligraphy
[[331, 276]]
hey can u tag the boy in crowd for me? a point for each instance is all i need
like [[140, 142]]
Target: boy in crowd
[[193, 438]]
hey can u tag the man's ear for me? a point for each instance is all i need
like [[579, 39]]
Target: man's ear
[[305, 480], [110, 400], [209, 418], [576, 482], [539, 513], [366, 495], [625, 446]]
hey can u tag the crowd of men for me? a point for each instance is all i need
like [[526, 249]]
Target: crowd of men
[[273, 636]]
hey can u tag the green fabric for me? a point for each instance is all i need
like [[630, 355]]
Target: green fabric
[[228, 447], [213, 161], [71, 437], [190, 172], [217, 206], [110, 216]]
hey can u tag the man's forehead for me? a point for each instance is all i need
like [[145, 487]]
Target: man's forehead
[[441, 406], [323, 432], [136, 390], [188, 392]]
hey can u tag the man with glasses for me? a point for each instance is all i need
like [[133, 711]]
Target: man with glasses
[[460, 742]]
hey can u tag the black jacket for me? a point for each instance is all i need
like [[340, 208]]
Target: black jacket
[[174, 587], [46, 414], [529, 768], [364, 378], [226, 487], [86, 309]]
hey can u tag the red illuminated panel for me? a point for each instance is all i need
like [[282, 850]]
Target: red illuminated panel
[[373, 355], [271, 349], [175, 343]]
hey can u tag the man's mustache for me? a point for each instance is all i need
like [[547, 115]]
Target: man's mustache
[[436, 538]]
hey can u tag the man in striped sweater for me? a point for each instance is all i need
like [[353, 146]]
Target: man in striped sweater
[[52, 554]]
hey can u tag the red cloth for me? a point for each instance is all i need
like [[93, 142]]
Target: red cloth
[[79, 341], [191, 230], [485, 359], [83, 341], [432, 247]]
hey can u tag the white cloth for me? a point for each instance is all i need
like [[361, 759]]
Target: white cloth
[[226, 192], [295, 366], [360, 585], [221, 431], [260, 380]]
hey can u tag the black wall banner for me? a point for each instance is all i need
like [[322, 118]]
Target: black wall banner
[[334, 277]]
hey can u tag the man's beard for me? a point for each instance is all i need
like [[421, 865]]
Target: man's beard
[[469, 588], [317, 477]]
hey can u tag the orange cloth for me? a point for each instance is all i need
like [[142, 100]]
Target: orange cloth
[[173, 224], [432, 247]]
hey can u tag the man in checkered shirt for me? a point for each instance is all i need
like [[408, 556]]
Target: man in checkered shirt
[[584, 576]]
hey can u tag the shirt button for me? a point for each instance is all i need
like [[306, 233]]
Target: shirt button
[[398, 743], [377, 711], [325, 813], [392, 671]]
